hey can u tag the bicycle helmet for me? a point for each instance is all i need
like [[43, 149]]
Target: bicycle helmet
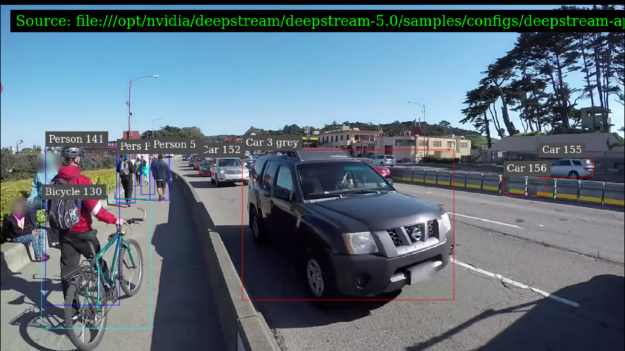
[[71, 152]]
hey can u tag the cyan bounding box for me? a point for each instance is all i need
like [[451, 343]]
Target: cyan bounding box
[[150, 182], [118, 188], [44, 283]]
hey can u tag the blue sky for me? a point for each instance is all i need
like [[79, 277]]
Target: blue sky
[[226, 82]]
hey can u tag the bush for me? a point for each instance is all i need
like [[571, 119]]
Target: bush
[[18, 167], [12, 190], [439, 160]]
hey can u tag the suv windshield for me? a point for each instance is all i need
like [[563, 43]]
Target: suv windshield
[[330, 179], [229, 162]]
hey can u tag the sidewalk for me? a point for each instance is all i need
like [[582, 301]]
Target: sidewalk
[[174, 300]]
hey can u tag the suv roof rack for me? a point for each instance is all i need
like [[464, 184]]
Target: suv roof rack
[[318, 155]]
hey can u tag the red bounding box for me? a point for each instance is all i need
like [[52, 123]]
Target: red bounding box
[[453, 225], [592, 172]]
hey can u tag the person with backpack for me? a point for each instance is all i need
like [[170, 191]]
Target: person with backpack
[[47, 168], [72, 218], [126, 169]]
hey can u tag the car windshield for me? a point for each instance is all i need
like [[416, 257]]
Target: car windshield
[[229, 162], [331, 179]]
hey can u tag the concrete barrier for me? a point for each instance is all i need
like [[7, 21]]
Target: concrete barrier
[[515, 186], [591, 192], [566, 189], [492, 182], [444, 178], [243, 327], [614, 194]]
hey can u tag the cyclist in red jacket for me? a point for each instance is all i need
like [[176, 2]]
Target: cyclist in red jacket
[[75, 242]]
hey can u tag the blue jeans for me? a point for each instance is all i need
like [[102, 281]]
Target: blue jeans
[[35, 241]]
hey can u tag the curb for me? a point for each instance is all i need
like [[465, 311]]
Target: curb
[[16, 256], [243, 327]]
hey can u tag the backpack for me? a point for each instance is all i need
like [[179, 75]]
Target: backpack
[[124, 170], [63, 214]]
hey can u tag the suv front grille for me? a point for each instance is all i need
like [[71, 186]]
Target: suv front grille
[[414, 233], [234, 172]]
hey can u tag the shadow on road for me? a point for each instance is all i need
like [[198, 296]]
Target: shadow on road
[[552, 326], [34, 317], [185, 316]]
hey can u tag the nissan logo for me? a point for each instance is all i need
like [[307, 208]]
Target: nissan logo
[[416, 234]]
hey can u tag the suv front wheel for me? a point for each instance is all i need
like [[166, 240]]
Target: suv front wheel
[[319, 279]]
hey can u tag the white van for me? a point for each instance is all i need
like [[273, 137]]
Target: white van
[[385, 161]]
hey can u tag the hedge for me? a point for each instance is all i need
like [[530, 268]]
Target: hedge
[[13, 190], [440, 160], [18, 167]]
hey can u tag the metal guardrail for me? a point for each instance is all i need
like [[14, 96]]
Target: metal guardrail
[[603, 193]]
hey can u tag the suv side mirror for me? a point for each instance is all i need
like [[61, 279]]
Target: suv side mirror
[[282, 193], [390, 180]]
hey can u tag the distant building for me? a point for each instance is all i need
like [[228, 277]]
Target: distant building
[[411, 145], [348, 138]]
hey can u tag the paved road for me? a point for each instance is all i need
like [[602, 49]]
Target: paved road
[[550, 247], [174, 306]]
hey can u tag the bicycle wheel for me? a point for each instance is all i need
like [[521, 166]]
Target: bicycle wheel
[[80, 308], [135, 271]]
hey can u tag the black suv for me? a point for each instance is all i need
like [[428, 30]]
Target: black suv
[[358, 236]]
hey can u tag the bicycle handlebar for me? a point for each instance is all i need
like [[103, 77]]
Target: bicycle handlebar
[[136, 220]]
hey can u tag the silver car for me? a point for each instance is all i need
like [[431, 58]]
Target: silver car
[[572, 168], [206, 167], [193, 161], [385, 161], [230, 170]]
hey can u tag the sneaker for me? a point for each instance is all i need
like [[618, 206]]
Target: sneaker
[[44, 258]]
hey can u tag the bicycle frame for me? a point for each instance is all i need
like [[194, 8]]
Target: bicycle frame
[[116, 239]]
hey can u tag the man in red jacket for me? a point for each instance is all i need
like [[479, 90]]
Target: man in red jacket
[[75, 242]]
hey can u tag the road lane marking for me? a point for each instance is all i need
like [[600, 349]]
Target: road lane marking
[[486, 220], [515, 283]]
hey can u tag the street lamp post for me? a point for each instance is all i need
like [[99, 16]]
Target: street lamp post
[[427, 147], [17, 145], [153, 121], [129, 103]]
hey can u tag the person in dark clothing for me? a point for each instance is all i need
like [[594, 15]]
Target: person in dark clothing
[[18, 228], [126, 169], [161, 175], [138, 165]]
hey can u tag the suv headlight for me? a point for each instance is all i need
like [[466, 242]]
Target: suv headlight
[[360, 243], [221, 171], [445, 222]]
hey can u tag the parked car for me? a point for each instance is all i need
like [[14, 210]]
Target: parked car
[[572, 168], [193, 161], [386, 160], [404, 160], [383, 171], [185, 157], [229, 171], [206, 167], [352, 232]]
